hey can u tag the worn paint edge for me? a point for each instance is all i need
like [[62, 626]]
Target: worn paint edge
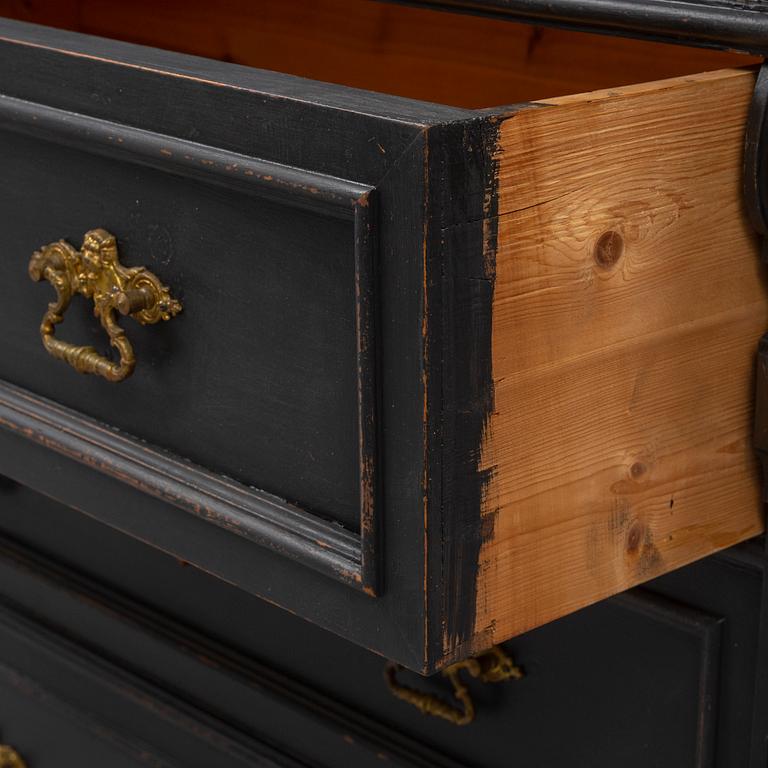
[[461, 259], [258, 517]]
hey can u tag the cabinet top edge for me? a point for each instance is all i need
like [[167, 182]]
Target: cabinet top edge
[[737, 25]]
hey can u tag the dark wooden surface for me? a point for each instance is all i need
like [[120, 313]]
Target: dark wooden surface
[[759, 741], [662, 676], [211, 385], [273, 266], [729, 24], [460, 275]]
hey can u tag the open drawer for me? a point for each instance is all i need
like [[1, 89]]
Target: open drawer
[[444, 372]]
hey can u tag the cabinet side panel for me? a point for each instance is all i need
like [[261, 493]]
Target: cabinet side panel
[[628, 304]]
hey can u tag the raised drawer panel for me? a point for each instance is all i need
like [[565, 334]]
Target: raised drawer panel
[[265, 345], [733, 586]]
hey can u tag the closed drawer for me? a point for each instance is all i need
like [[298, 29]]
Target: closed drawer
[[63, 706], [442, 374], [663, 674]]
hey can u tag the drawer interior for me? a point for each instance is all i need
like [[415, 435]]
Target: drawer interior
[[459, 60]]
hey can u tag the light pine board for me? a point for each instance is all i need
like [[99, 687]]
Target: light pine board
[[620, 443]]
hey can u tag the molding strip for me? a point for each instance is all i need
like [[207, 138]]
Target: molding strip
[[260, 517], [287, 184]]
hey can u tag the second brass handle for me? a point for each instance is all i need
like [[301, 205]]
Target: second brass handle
[[95, 272], [10, 758], [493, 666]]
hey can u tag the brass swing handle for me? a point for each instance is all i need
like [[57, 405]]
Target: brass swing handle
[[493, 666], [10, 758], [95, 272]]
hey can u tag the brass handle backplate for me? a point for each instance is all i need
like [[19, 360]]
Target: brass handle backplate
[[493, 666], [10, 758], [95, 272]]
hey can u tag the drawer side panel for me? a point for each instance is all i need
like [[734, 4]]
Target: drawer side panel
[[628, 305]]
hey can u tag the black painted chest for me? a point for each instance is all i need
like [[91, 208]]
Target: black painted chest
[[365, 340]]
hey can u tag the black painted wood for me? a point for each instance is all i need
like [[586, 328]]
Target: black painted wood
[[728, 24], [460, 275], [291, 217], [756, 158], [234, 354], [662, 678], [730, 586], [317, 192], [257, 378], [63, 706], [316, 235], [101, 647]]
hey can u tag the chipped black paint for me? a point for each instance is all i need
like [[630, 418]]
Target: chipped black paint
[[463, 174]]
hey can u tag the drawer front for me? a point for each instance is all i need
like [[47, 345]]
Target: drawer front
[[259, 378], [268, 374], [266, 344], [287, 218], [47, 730]]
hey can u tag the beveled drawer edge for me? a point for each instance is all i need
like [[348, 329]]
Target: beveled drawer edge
[[288, 185], [254, 515], [292, 186]]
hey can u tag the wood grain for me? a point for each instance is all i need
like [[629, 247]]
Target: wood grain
[[628, 305], [450, 58]]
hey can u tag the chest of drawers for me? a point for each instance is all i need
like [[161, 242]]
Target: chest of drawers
[[423, 371]]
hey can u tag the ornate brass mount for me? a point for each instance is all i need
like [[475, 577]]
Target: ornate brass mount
[[493, 666], [95, 272], [10, 758]]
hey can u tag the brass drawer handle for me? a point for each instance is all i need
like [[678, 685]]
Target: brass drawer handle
[[95, 272], [10, 758], [493, 666]]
